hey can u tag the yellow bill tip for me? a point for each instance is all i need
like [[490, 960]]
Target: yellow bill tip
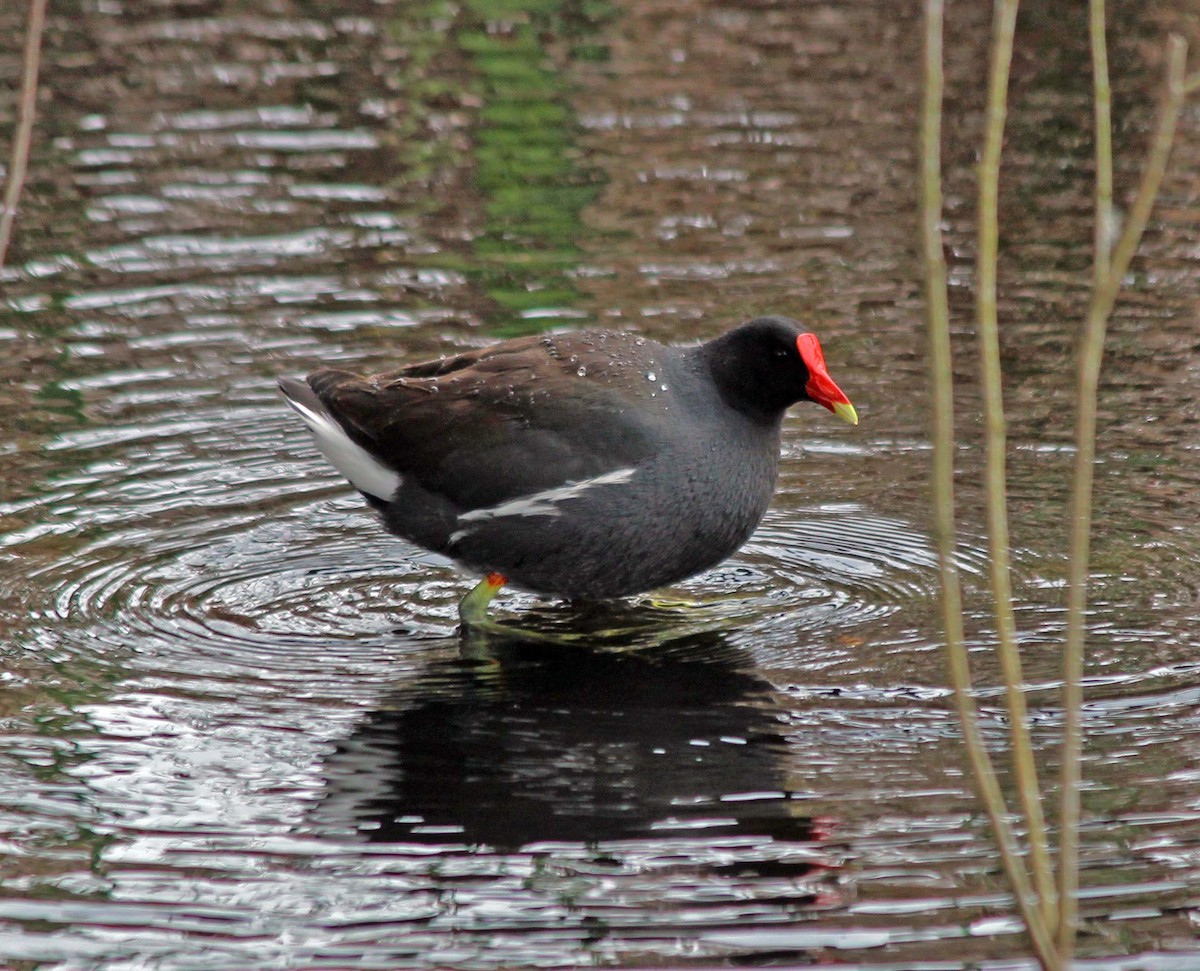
[[845, 411]]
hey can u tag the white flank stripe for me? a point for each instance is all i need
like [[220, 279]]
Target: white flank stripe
[[365, 472], [541, 503]]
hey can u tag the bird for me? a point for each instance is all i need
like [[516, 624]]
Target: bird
[[585, 465]]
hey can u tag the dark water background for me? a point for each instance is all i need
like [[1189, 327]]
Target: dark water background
[[236, 727]]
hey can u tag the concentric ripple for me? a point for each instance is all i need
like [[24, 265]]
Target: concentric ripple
[[255, 560], [828, 572], [254, 564]]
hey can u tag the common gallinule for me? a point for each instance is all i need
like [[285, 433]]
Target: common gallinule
[[590, 465]]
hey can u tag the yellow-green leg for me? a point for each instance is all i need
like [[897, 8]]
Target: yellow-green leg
[[472, 609]]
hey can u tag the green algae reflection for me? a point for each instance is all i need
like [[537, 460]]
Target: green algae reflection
[[525, 165]]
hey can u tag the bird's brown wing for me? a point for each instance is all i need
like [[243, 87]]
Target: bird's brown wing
[[487, 426]]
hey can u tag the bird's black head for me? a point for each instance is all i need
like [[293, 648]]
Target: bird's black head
[[770, 363]]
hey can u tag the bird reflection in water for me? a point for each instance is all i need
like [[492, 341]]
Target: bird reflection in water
[[554, 742]]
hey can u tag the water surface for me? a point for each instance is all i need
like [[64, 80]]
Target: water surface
[[239, 729]]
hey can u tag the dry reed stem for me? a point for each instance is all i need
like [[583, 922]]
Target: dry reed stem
[[996, 474], [1091, 350], [943, 486], [1102, 108], [23, 134]]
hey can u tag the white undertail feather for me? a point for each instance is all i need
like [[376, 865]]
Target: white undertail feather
[[365, 472]]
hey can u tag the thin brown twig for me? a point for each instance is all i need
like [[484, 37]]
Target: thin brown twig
[[1102, 111], [996, 475], [23, 134], [1091, 353]]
